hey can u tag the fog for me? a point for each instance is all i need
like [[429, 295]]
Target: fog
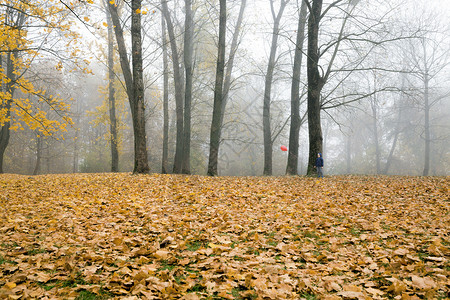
[[385, 106]]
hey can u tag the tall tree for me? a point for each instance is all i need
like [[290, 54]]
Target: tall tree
[[188, 65], [218, 93], [18, 51], [165, 152], [178, 80], [268, 142], [133, 80], [112, 97], [296, 121], [316, 81]]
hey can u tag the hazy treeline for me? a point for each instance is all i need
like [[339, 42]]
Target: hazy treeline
[[385, 104]]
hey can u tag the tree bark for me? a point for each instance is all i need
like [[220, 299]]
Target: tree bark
[[165, 152], [188, 64], [9, 89], [178, 80], [267, 133], [218, 94], [315, 84], [111, 98], [133, 81], [292, 162]]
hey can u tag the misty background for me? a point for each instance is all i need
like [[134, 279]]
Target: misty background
[[388, 85]]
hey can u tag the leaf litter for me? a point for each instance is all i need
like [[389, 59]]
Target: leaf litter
[[100, 236]]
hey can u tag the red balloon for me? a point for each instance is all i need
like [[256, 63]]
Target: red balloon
[[283, 148]]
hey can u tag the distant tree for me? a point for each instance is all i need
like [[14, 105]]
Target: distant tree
[[429, 57]]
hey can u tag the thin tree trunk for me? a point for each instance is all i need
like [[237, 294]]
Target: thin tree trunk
[[178, 80], [75, 144], [165, 159], [188, 64], [218, 93], [348, 154], [267, 133], [426, 168], [315, 84], [37, 166], [375, 133], [292, 162], [111, 98]]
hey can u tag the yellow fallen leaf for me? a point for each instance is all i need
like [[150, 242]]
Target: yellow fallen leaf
[[10, 285]]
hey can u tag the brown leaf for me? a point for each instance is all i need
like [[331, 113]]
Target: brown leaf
[[423, 283]]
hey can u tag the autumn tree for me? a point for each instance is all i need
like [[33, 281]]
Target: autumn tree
[[29, 31]]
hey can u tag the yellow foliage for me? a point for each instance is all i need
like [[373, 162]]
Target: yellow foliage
[[50, 16]]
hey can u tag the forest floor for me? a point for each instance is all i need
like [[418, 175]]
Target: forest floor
[[100, 236]]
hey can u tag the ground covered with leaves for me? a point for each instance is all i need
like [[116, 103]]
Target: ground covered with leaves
[[101, 236]]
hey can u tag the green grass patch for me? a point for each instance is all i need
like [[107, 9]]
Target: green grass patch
[[87, 295], [309, 296]]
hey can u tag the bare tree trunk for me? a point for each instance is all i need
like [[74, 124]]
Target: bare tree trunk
[[349, 154], [75, 144], [111, 98], [165, 159], [315, 84], [134, 82], [188, 63], [426, 167], [292, 162], [268, 142], [374, 105], [218, 93], [178, 80]]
